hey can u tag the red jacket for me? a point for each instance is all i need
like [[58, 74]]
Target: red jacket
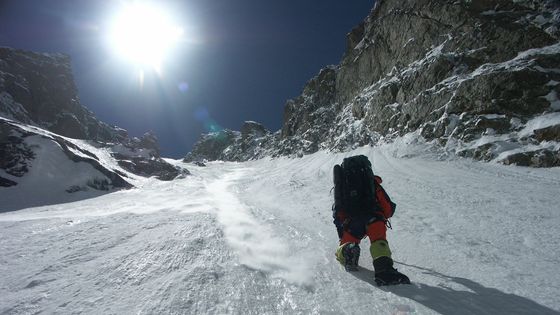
[[387, 206]]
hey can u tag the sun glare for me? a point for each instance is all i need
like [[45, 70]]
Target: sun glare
[[143, 34]]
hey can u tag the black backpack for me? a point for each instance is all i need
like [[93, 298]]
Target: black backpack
[[354, 186]]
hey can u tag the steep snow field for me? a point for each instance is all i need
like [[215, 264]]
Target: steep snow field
[[257, 237]]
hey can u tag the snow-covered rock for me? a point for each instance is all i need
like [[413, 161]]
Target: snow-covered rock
[[40, 119], [212, 146], [452, 72], [39, 89], [254, 141], [38, 167]]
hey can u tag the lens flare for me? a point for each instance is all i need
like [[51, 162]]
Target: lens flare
[[183, 87], [210, 125]]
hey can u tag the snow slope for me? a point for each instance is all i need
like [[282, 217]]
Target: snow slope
[[257, 237]]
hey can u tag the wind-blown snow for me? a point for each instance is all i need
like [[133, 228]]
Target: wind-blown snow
[[257, 237], [254, 242]]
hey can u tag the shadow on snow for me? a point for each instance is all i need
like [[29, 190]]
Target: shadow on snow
[[445, 300]]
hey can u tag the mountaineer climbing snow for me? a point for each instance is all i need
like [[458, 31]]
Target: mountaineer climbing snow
[[362, 207]]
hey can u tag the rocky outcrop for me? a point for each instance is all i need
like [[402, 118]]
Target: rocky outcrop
[[38, 167], [447, 67], [551, 133], [157, 168], [15, 154], [38, 90], [300, 114], [212, 146], [471, 77], [228, 145], [538, 158], [252, 130], [17, 157]]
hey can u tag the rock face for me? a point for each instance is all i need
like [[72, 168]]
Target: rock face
[[39, 89], [451, 72], [38, 94], [230, 145], [213, 146], [17, 155], [14, 153]]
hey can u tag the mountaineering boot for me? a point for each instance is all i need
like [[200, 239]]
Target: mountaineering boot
[[348, 255], [385, 274]]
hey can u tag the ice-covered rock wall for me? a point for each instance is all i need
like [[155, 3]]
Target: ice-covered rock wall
[[466, 76]]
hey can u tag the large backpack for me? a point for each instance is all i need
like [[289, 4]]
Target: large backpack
[[354, 186]]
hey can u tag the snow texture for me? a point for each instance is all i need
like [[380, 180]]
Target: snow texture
[[54, 178], [51, 174], [257, 237]]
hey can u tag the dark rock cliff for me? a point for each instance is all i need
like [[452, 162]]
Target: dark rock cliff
[[38, 94], [471, 77], [39, 89]]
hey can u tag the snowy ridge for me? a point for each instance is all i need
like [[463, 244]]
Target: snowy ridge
[[257, 237], [39, 167], [57, 169], [103, 155]]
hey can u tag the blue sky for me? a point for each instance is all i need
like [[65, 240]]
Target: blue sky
[[239, 60]]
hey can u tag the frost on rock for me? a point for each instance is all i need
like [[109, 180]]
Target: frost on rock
[[464, 75]]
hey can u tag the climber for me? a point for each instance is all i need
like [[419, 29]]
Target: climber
[[362, 207]]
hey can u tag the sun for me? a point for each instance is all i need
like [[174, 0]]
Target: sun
[[143, 34]]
